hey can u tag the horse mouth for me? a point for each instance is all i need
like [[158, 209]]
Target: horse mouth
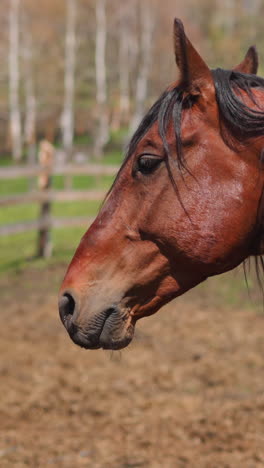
[[113, 332]]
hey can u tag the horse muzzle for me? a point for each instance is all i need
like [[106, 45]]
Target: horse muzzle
[[110, 328]]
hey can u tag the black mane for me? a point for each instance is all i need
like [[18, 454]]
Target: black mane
[[241, 121], [169, 105]]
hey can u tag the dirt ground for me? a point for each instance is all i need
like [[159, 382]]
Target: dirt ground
[[189, 391]]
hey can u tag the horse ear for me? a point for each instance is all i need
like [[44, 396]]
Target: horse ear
[[194, 72], [250, 63]]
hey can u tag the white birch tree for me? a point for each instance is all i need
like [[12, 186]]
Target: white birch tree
[[121, 111], [14, 109], [124, 34], [30, 99], [67, 120], [102, 133], [147, 26]]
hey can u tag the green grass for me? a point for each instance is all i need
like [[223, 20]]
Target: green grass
[[13, 186], [81, 208], [233, 288], [114, 158], [80, 182], [17, 250], [5, 161], [84, 182], [30, 211], [83, 140], [16, 213]]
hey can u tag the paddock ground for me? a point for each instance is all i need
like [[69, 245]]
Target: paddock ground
[[189, 391]]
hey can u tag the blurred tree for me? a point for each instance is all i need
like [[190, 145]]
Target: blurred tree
[[30, 99], [46, 32], [67, 119], [15, 123], [119, 58], [127, 11], [102, 133], [147, 27]]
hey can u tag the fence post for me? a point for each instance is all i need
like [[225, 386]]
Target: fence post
[[45, 156]]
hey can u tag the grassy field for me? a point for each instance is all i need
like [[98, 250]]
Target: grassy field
[[19, 249]]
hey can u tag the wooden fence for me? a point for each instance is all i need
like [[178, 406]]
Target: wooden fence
[[45, 196]]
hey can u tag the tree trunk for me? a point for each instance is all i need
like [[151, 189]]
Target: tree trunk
[[121, 111], [67, 124], [30, 104], [147, 24], [15, 122], [124, 63], [29, 137], [102, 133]]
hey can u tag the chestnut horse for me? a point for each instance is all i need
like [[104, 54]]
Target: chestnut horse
[[185, 205]]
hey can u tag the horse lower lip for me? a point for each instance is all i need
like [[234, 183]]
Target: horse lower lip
[[101, 338], [85, 340]]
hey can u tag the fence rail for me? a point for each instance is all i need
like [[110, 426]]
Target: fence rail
[[46, 195]]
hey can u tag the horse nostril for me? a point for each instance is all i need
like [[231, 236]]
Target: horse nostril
[[67, 306], [111, 311]]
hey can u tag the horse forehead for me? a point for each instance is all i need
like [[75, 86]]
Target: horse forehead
[[152, 135], [204, 114]]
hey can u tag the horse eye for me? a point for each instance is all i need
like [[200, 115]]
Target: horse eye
[[147, 163]]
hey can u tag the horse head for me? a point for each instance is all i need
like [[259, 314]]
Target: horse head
[[185, 204]]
